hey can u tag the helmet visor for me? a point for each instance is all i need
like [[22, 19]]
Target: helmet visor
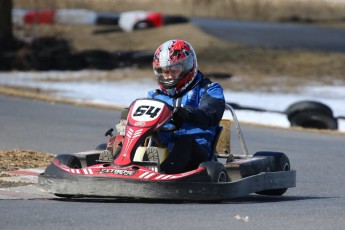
[[169, 72], [169, 76]]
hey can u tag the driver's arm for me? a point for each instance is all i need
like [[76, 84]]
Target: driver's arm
[[210, 110]]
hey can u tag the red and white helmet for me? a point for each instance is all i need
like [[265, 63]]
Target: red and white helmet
[[176, 57]]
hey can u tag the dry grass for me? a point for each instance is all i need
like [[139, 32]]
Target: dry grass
[[19, 158]]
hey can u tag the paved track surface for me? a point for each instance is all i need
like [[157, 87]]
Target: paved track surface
[[317, 202], [278, 35], [52, 127]]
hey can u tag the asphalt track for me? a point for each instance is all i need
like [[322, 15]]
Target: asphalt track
[[317, 202], [48, 127], [276, 35]]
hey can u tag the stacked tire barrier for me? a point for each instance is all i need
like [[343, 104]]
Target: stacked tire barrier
[[127, 21], [50, 16], [305, 114], [55, 54], [311, 114], [48, 53]]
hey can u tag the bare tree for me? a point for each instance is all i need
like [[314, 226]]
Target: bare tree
[[6, 34]]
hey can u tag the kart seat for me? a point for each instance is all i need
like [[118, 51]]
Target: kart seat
[[219, 130]]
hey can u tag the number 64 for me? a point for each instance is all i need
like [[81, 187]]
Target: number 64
[[148, 110]]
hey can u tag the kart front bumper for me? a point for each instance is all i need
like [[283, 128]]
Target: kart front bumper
[[104, 187]]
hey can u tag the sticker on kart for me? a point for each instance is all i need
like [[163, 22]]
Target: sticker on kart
[[146, 110]]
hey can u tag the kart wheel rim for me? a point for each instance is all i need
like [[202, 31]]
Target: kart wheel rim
[[222, 177]]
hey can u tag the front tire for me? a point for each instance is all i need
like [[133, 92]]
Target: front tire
[[69, 160], [72, 162]]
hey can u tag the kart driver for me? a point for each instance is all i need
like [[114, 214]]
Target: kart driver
[[199, 106]]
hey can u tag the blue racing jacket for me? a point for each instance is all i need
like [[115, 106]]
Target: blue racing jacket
[[206, 103]]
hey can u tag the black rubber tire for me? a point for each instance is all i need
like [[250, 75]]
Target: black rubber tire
[[216, 171], [69, 160], [70, 62], [65, 196], [313, 119], [123, 56], [72, 162], [282, 163], [98, 59], [7, 62], [104, 18], [174, 19], [102, 146], [216, 75], [303, 106], [144, 24], [142, 58], [43, 61]]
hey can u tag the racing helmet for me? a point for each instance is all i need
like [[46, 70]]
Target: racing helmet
[[175, 66]]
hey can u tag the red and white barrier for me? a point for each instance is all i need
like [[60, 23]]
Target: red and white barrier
[[75, 17], [128, 21], [132, 20]]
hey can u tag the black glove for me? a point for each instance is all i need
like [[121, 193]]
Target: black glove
[[181, 115]]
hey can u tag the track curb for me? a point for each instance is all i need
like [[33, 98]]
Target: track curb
[[27, 188], [23, 175]]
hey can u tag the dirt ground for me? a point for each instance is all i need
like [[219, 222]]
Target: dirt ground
[[21, 159]]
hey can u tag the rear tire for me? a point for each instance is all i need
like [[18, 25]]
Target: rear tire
[[282, 163], [216, 171]]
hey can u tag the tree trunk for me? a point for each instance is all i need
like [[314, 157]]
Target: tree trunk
[[6, 35]]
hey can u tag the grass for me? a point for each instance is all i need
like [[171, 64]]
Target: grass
[[19, 158]]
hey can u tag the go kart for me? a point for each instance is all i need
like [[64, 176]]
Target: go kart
[[134, 171]]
